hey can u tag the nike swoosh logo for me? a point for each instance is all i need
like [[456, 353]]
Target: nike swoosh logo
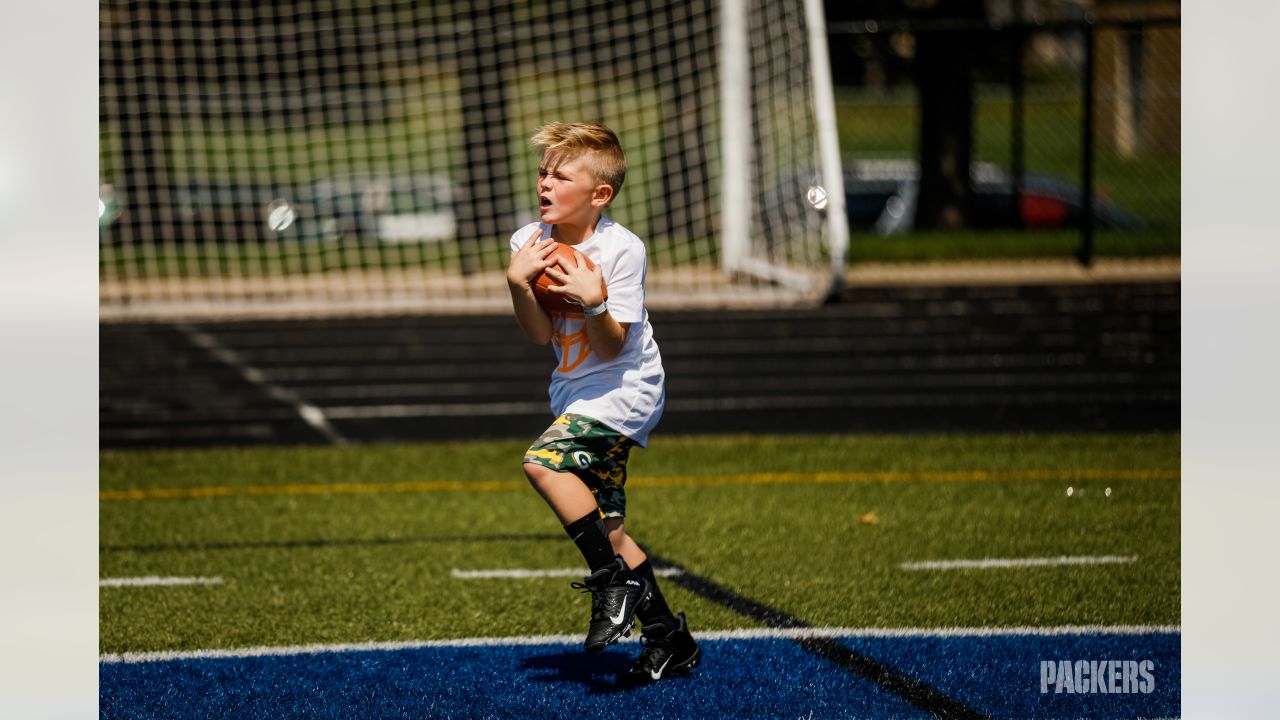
[[657, 674], [621, 614]]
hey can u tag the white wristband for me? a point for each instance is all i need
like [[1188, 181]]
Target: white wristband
[[597, 310]]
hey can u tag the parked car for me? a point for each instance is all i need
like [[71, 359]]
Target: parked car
[[385, 208], [232, 212], [209, 212], [388, 208], [880, 195]]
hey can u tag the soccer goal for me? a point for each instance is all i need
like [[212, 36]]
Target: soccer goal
[[313, 157]]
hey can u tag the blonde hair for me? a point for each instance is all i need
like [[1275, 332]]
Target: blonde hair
[[596, 144]]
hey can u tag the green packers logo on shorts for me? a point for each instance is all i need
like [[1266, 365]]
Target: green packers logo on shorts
[[592, 451]]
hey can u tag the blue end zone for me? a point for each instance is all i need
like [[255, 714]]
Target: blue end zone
[[764, 678], [1001, 676]]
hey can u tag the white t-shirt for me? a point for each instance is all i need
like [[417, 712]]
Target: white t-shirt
[[626, 393]]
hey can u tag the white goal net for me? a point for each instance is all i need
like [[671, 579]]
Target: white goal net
[[307, 157]]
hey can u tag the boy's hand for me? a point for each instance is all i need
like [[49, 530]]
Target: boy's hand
[[530, 260], [579, 284]]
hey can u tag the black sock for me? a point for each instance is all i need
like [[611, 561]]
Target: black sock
[[656, 611], [588, 534]]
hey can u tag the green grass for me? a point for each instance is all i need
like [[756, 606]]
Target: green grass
[[796, 545]]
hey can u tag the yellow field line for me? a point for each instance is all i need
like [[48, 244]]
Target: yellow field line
[[669, 481], [870, 477], [316, 489]]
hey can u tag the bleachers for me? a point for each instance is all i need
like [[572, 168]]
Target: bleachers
[[1043, 357]]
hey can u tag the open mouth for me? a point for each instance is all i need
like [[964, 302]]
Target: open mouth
[[545, 201]]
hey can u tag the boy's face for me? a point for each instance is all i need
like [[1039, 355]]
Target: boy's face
[[568, 193]]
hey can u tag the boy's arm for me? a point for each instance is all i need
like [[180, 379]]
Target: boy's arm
[[526, 264], [605, 334]]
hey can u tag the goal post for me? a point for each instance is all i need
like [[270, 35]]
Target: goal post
[[735, 135], [836, 228], [826, 193], [310, 157]]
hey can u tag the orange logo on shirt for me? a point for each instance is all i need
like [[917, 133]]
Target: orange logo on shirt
[[574, 349]]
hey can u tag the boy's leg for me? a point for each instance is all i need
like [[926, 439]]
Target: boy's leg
[[578, 466], [669, 646], [569, 466], [656, 612], [566, 494], [577, 510]]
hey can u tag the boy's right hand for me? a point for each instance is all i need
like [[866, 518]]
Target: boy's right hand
[[530, 260]]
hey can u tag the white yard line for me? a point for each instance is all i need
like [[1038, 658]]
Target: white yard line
[[987, 563], [521, 573], [157, 581], [310, 414], [743, 634]]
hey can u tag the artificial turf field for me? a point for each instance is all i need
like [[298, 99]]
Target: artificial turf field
[[818, 570]]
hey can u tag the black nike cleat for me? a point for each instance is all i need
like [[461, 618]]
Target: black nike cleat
[[667, 651], [616, 592]]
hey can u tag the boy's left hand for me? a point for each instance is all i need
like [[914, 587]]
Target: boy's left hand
[[577, 282]]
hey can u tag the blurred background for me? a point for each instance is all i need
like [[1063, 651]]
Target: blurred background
[[1044, 103], [304, 210]]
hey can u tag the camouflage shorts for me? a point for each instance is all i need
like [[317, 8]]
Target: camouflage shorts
[[593, 452]]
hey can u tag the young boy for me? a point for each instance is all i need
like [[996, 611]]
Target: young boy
[[607, 391]]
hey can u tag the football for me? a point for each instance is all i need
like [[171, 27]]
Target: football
[[553, 302]]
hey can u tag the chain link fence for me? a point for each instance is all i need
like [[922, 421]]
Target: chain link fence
[[369, 156], [1038, 135]]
